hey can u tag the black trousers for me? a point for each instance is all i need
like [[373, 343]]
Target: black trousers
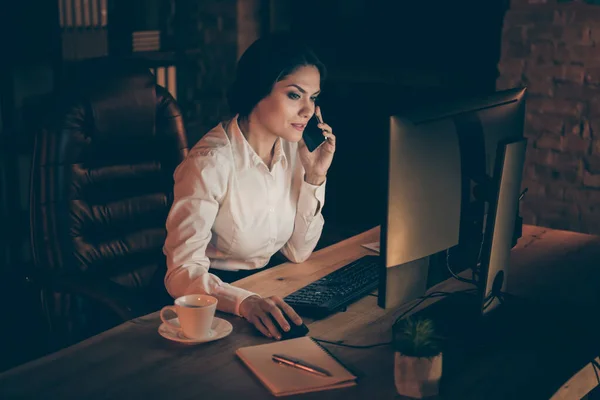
[[232, 276]]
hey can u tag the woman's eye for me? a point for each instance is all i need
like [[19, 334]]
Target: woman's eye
[[293, 96], [313, 99]]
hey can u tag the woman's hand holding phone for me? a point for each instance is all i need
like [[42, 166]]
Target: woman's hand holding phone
[[317, 163]]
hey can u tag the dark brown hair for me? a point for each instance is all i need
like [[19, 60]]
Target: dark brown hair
[[267, 61]]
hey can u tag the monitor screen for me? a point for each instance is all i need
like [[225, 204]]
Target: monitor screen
[[439, 159]]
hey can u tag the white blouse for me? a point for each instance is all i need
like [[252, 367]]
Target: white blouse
[[231, 212]]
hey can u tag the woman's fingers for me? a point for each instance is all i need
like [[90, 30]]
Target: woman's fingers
[[268, 322], [272, 310], [288, 310], [318, 114], [331, 138], [257, 322], [327, 130]]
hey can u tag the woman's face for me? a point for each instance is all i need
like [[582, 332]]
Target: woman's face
[[291, 103]]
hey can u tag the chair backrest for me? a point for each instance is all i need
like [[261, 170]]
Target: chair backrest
[[102, 175]]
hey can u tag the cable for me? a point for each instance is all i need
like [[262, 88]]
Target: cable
[[490, 299], [488, 302], [477, 268], [472, 281], [596, 366], [430, 296], [352, 346], [422, 299]]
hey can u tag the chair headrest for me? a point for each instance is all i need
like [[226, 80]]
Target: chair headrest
[[121, 95]]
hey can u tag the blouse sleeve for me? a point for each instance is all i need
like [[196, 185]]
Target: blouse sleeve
[[200, 185]]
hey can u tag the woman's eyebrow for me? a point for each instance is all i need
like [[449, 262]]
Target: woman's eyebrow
[[302, 90]]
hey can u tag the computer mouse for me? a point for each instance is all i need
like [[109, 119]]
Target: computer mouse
[[295, 330]]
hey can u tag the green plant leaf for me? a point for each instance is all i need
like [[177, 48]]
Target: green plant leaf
[[416, 338]]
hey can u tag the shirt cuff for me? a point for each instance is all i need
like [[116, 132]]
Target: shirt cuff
[[232, 297], [311, 200]]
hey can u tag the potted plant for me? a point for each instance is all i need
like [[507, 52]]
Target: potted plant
[[417, 357]]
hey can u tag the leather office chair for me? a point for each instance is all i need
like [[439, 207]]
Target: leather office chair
[[101, 189]]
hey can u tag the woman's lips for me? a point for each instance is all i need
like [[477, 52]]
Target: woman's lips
[[299, 127]]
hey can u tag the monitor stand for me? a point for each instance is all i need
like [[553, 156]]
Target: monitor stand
[[402, 283]]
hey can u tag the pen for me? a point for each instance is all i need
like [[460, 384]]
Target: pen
[[295, 363]]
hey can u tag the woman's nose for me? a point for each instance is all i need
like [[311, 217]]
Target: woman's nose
[[307, 111]]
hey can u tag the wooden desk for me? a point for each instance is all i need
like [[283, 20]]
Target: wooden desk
[[133, 361]]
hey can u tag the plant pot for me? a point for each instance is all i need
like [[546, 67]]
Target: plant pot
[[417, 377]]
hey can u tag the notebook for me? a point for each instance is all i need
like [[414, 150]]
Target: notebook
[[282, 380]]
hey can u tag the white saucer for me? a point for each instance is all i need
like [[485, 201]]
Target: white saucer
[[219, 329]]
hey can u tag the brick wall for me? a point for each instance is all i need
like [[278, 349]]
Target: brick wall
[[554, 49], [219, 31], [210, 27]]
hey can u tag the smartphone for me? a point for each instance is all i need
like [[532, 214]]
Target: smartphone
[[313, 135]]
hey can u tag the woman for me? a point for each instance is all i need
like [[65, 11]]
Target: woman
[[250, 187]]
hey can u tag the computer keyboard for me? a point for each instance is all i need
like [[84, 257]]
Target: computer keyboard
[[337, 290]]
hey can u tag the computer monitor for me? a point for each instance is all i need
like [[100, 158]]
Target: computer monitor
[[453, 176]]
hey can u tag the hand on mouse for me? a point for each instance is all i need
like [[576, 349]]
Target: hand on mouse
[[261, 312]]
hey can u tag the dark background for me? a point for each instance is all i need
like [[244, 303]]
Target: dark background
[[383, 57]]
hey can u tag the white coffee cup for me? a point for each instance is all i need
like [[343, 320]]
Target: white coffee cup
[[195, 313]]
